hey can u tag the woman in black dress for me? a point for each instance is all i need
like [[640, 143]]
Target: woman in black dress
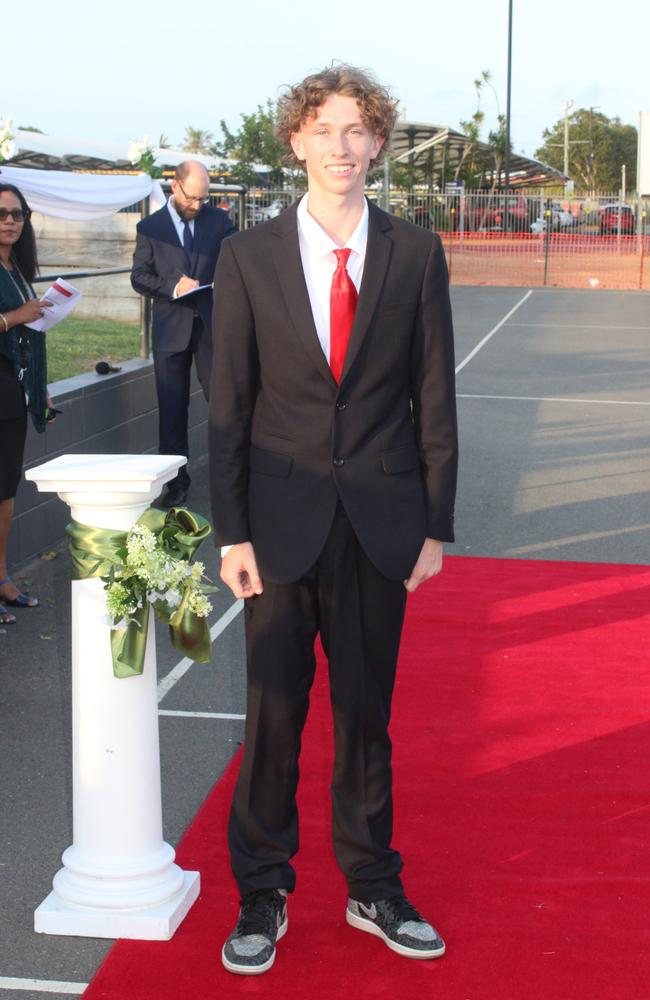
[[23, 371]]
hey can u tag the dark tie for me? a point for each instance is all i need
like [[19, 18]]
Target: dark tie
[[343, 302], [188, 240]]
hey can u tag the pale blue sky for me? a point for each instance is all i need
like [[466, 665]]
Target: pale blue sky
[[116, 70]]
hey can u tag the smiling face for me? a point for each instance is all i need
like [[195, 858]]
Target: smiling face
[[336, 148]]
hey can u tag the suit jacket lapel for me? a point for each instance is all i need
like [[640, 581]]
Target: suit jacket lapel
[[378, 251], [169, 234], [288, 265]]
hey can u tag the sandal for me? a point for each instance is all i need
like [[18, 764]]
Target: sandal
[[5, 617], [19, 601]]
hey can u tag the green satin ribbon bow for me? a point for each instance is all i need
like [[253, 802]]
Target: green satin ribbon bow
[[99, 551]]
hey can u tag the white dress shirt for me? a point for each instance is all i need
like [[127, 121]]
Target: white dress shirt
[[179, 225], [319, 264]]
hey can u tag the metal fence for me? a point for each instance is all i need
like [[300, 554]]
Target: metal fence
[[582, 240], [561, 260]]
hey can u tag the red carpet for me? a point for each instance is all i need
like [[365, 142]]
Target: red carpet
[[522, 737]]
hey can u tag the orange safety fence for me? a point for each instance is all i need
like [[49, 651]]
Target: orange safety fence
[[558, 260]]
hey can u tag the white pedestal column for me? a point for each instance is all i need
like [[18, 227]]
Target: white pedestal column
[[119, 878]]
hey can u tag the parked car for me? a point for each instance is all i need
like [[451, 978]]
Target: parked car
[[609, 215], [496, 213], [538, 226], [254, 214], [561, 219], [274, 209]]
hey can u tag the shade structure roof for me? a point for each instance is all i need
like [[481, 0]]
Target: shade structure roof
[[412, 141], [52, 152]]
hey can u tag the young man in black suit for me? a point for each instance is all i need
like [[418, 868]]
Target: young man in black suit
[[333, 453], [176, 251]]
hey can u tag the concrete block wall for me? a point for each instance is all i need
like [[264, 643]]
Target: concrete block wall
[[65, 245], [109, 414]]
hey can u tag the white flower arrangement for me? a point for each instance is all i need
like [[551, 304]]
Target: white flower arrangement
[[150, 573], [141, 155], [7, 136], [139, 149]]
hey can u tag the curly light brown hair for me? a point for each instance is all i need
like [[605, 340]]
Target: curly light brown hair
[[300, 103]]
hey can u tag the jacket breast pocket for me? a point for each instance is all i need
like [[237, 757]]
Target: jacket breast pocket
[[269, 463], [402, 459]]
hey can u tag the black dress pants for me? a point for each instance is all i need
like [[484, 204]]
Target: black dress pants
[[359, 615], [173, 370]]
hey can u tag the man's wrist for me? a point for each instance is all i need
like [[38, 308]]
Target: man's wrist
[[225, 549]]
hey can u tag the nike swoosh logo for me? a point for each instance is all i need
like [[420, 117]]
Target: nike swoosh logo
[[370, 911]]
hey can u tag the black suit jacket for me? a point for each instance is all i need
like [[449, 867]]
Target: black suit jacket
[[159, 261], [286, 441]]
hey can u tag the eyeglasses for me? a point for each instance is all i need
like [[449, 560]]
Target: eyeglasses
[[16, 214], [202, 200]]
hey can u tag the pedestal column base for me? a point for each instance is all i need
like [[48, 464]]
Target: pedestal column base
[[155, 923]]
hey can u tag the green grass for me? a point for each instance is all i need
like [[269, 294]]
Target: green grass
[[76, 345]]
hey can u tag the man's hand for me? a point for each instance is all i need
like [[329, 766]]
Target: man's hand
[[239, 571], [185, 285], [429, 564]]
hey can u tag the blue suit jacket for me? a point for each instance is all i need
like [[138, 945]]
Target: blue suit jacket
[[159, 261]]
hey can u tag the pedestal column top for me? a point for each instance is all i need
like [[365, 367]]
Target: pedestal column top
[[113, 473]]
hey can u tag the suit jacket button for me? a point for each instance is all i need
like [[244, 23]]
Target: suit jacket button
[[338, 462], [341, 405]]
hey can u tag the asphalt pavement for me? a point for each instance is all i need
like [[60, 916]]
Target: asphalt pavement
[[554, 408]]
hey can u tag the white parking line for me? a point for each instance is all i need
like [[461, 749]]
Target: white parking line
[[580, 326], [43, 986], [167, 683], [199, 715], [560, 399], [489, 335], [587, 536]]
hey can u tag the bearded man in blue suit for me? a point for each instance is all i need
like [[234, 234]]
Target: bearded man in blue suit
[[176, 252]]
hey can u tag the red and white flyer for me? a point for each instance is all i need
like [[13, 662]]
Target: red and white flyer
[[63, 297]]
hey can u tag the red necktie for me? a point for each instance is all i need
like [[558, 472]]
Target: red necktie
[[343, 302]]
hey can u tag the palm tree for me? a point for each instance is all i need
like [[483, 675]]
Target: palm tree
[[198, 140]]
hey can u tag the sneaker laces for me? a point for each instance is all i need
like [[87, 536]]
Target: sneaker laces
[[400, 911], [258, 915]]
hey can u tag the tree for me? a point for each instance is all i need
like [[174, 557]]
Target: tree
[[598, 147], [479, 166], [255, 143], [31, 128], [198, 140]]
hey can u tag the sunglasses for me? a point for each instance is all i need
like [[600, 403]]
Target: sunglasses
[[16, 214]]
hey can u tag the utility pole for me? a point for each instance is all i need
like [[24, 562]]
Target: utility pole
[[508, 92], [567, 108], [567, 142], [594, 107]]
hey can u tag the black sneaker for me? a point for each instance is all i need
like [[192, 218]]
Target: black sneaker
[[250, 949], [399, 924]]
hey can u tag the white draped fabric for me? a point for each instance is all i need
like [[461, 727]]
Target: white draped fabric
[[81, 196]]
